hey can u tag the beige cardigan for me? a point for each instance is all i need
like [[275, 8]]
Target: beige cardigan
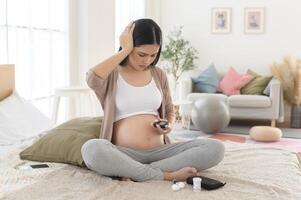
[[105, 90]]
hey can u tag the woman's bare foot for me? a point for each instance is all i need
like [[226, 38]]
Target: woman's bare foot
[[181, 174]]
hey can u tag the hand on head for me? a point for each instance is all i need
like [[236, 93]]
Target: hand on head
[[126, 38]]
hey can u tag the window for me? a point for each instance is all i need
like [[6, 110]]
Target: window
[[126, 11], [34, 37]]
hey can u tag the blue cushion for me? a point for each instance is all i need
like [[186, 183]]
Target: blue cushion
[[207, 81]]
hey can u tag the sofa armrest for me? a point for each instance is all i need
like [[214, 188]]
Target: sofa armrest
[[185, 88], [275, 87], [276, 97]]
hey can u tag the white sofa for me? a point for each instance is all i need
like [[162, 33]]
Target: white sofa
[[259, 107]]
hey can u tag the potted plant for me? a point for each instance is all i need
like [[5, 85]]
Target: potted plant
[[179, 54], [289, 74]]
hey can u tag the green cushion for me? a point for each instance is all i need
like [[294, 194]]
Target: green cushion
[[257, 85], [63, 143]]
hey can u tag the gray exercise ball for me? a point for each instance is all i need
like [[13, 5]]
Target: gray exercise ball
[[210, 114]]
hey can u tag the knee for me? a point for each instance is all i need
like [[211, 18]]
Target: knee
[[214, 146], [216, 151], [211, 152], [92, 149]]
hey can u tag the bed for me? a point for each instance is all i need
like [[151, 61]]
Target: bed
[[7, 80], [251, 171], [7, 85]]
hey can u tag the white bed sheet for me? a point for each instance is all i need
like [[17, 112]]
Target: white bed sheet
[[11, 178], [251, 172], [20, 120], [6, 149]]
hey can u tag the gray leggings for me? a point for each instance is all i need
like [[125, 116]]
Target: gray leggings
[[108, 159]]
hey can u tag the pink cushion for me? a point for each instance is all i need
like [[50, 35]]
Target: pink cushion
[[232, 82]]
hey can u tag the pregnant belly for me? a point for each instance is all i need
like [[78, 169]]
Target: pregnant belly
[[137, 132]]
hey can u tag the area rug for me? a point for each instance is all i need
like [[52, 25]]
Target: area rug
[[244, 130], [287, 143], [291, 144]]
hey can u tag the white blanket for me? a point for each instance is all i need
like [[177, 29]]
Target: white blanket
[[251, 172]]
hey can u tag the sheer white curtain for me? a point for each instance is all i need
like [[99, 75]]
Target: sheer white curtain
[[34, 37], [126, 11]]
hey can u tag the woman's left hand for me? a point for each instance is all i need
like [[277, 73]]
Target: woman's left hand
[[163, 131]]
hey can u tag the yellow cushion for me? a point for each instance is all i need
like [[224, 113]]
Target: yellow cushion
[[265, 133]]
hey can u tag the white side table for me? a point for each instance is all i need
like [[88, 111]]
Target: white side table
[[73, 92]]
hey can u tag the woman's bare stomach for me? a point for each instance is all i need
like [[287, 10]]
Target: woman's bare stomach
[[137, 132]]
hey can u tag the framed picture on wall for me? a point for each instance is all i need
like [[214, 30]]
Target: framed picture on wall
[[221, 20], [254, 20]]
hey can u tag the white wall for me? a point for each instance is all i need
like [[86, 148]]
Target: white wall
[[92, 32], [92, 35], [92, 38], [281, 37]]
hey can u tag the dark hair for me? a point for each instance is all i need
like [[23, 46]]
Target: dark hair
[[146, 31]]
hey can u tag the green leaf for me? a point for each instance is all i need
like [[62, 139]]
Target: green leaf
[[179, 54]]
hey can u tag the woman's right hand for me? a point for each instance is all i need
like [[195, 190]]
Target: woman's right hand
[[126, 38]]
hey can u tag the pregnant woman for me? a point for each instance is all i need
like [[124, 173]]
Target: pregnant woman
[[134, 94]]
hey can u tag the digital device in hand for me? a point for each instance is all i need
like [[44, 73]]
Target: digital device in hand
[[162, 124], [207, 183]]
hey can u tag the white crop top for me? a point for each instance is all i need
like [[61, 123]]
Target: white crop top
[[133, 100]]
